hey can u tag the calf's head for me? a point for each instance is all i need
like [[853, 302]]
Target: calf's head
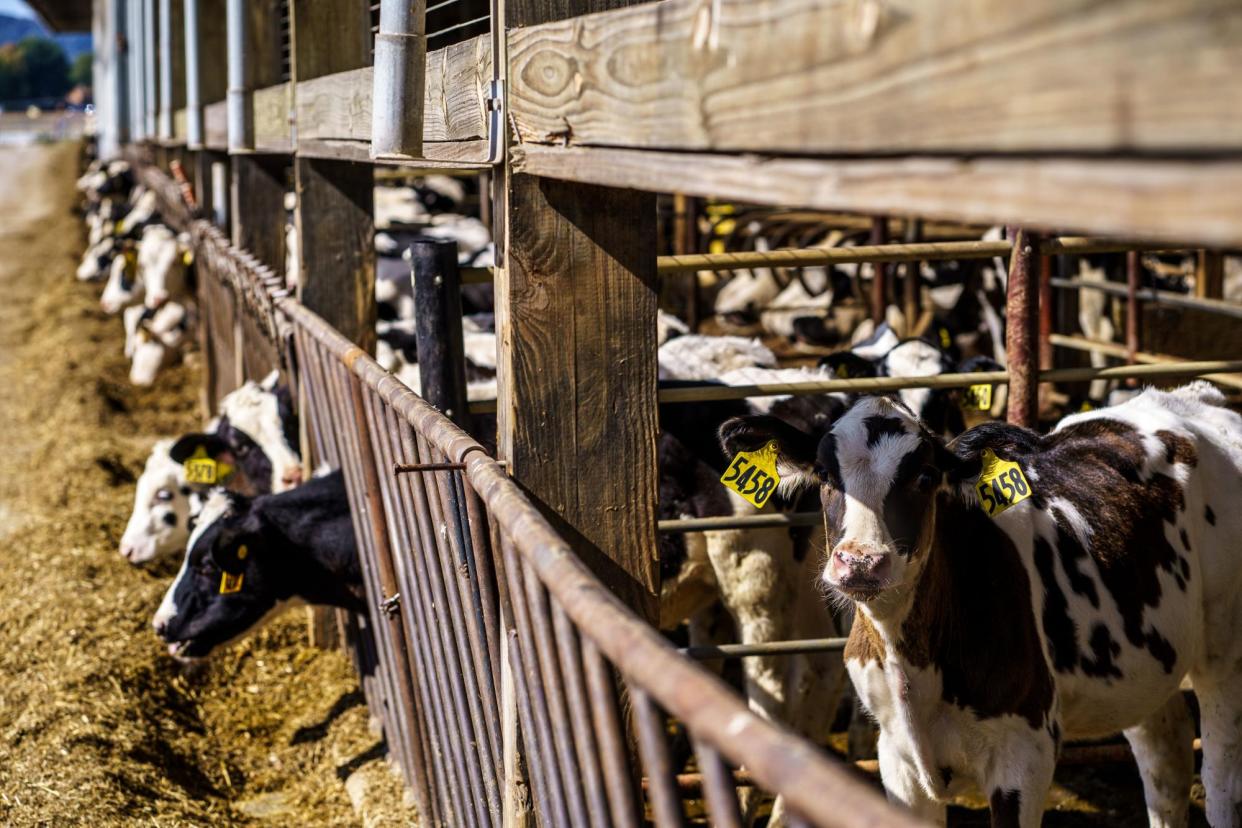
[[160, 521], [878, 470], [226, 584]]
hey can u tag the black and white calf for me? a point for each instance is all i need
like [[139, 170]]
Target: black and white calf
[[256, 433], [981, 642], [250, 558]]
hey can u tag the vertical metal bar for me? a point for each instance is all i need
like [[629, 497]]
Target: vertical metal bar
[[388, 438], [448, 665], [879, 279], [661, 786], [400, 66], [618, 775], [240, 125], [562, 735], [718, 787], [193, 86], [150, 78], [1133, 310], [486, 574], [166, 70], [538, 728], [418, 600], [1045, 312], [415, 772], [580, 715], [1021, 307], [911, 295], [534, 750]]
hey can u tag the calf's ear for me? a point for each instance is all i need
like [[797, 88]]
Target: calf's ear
[[795, 459], [185, 447], [237, 541]]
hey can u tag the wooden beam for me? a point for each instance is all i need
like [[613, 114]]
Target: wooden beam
[[273, 107], [901, 76], [257, 206], [336, 245], [216, 126], [338, 106], [449, 156], [1187, 201], [1210, 275]]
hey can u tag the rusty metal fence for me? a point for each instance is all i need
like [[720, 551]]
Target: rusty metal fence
[[506, 676]]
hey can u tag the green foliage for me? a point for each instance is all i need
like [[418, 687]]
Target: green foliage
[[34, 67], [80, 72]]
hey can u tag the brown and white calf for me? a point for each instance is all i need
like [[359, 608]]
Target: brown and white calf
[[981, 643]]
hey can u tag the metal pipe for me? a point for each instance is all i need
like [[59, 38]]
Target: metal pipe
[[398, 80], [718, 787], [1162, 297], [715, 524], [879, 272], [661, 783], [808, 257], [571, 670], [1133, 276], [193, 87], [240, 123], [151, 79], [1021, 320], [165, 117], [712, 652], [618, 778], [118, 79], [1078, 343]]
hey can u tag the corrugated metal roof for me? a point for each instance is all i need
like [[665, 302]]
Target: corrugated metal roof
[[64, 15]]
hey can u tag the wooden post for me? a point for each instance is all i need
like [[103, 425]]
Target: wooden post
[[257, 194], [879, 278], [437, 327], [1210, 275], [575, 312], [1021, 324]]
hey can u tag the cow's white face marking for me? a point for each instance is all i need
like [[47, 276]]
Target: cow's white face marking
[[868, 458], [162, 510], [218, 505], [254, 410]]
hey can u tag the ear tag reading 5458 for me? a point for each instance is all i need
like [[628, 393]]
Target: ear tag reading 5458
[[1001, 484], [753, 475], [980, 396]]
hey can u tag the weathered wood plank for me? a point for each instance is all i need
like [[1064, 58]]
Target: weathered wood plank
[[336, 245], [329, 37], [1181, 201], [272, 125], [257, 192], [441, 155], [179, 126], [879, 77], [338, 106], [576, 310], [216, 125]]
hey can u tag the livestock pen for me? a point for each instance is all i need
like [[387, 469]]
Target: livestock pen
[[510, 646]]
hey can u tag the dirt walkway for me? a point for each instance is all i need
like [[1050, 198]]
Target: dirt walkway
[[97, 725]]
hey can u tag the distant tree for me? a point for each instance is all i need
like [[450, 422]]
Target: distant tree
[[12, 72], [46, 69], [80, 72]]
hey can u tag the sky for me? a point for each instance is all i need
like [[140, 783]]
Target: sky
[[15, 8]]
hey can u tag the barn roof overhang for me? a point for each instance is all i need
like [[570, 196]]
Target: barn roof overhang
[[64, 15]]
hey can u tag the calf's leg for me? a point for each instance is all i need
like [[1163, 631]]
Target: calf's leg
[[1017, 777], [1220, 719], [1163, 747], [901, 783]]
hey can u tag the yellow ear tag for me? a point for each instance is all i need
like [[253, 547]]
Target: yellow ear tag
[[753, 475], [1001, 484], [945, 340], [204, 470], [242, 552], [843, 372], [230, 583], [187, 258], [980, 396], [1086, 406]]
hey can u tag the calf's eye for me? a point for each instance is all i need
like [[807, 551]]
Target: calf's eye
[[164, 495], [928, 477]]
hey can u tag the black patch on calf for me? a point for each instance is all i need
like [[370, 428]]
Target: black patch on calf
[[1103, 652], [1006, 807], [1058, 626], [1185, 540], [946, 776], [1209, 515], [879, 426]]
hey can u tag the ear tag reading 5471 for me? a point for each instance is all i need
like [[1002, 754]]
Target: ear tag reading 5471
[[753, 475], [204, 470], [980, 396], [1001, 484]]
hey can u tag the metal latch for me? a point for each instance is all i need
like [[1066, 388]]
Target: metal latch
[[391, 604], [495, 103]]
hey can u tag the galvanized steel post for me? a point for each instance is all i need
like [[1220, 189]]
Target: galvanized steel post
[[165, 114], [398, 79], [150, 78], [193, 95], [241, 127]]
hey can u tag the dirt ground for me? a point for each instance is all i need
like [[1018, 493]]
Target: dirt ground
[[98, 726]]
